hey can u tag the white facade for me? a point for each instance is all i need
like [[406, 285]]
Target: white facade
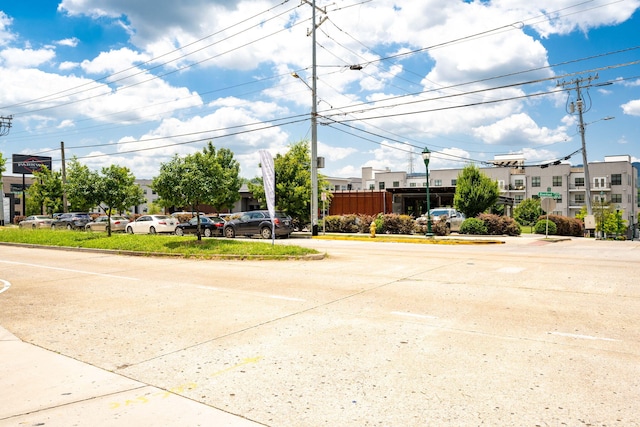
[[614, 180]]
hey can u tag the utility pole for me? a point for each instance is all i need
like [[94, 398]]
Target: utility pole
[[64, 178], [5, 126], [314, 118], [580, 105]]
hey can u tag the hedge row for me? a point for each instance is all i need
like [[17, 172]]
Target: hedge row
[[565, 226]]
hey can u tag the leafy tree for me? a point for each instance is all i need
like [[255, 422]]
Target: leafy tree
[[81, 187], [527, 212], [475, 192], [3, 163], [116, 190], [199, 178], [293, 183], [228, 191], [45, 192]]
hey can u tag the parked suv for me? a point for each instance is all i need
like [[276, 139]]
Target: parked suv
[[258, 222], [71, 221], [452, 217]]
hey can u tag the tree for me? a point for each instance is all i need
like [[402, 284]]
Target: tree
[[197, 179], [293, 183], [475, 192], [81, 186], [528, 212], [45, 192], [116, 190], [228, 190]]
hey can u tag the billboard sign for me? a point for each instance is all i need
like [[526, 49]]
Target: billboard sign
[[25, 164]]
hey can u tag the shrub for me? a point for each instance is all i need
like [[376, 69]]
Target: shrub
[[473, 226], [332, 223], [437, 228], [498, 225], [565, 226], [541, 227]]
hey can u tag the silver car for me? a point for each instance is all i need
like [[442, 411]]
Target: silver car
[[36, 221], [118, 223], [152, 224], [453, 218]]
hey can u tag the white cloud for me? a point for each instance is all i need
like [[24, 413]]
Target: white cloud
[[25, 58], [70, 42], [5, 35], [519, 130], [632, 108]]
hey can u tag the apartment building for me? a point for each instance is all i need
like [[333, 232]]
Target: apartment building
[[613, 180]]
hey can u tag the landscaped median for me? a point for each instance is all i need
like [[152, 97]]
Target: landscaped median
[[156, 245], [414, 238]]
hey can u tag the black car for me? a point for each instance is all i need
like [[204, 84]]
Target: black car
[[209, 226], [71, 221], [258, 222]]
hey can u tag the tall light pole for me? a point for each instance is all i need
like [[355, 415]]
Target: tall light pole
[[314, 128], [426, 155]]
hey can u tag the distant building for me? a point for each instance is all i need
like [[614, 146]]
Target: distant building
[[614, 180]]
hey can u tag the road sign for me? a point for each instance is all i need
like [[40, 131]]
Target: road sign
[[549, 194], [547, 204]]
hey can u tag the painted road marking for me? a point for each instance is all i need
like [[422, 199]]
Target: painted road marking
[[247, 361], [70, 270], [5, 285], [419, 316], [258, 294], [583, 337]]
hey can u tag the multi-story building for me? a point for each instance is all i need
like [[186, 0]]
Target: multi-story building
[[614, 180]]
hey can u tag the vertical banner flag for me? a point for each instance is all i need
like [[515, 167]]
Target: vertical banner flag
[[269, 181]]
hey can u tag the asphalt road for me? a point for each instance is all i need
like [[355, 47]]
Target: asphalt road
[[526, 333]]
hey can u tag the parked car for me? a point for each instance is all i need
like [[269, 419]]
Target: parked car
[[209, 226], [453, 218], [36, 221], [258, 222], [71, 221], [118, 223], [152, 224]]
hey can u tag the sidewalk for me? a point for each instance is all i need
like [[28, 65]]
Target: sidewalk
[[43, 388]]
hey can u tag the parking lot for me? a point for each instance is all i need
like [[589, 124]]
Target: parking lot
[[393, 334]]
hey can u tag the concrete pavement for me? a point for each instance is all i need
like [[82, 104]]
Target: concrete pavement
[[43, 388]]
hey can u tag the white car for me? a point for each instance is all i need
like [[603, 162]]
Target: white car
[[152, 224]]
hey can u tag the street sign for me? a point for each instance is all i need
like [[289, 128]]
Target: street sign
[[547, 204], [549, 194]]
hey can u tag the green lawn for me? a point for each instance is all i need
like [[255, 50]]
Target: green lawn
[[154, 244]]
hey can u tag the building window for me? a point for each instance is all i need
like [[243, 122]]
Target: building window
[[518, 198], [372, 187], [579, 199], [381, 185], [535, 181], [579, 182], [519, 183], [616, 179], [437, 182], [412, 184], [454, 182], [556, 181], [616, 198], [396, 184], [600, 182]]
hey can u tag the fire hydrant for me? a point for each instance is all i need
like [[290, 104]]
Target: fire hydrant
[[372, 229]]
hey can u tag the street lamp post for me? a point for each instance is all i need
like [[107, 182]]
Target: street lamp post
[[426, 155]]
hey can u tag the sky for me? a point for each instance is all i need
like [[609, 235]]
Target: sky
[[135, 83]]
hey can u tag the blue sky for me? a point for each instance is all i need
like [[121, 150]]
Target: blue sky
[[134, 83]]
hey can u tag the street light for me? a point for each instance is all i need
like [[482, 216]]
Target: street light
[[314, 152], [426, 155]]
